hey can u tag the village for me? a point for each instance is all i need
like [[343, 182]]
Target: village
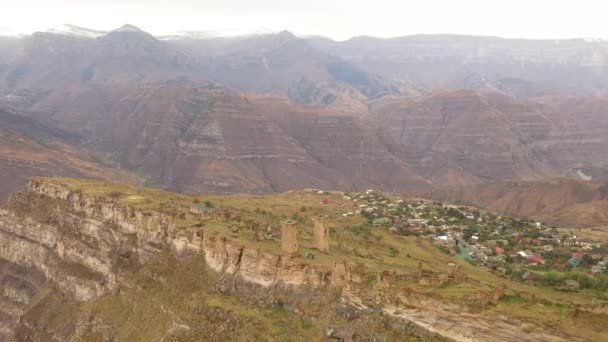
[[520, 249]]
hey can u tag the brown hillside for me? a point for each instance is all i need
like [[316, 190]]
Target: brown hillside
[[197, 139], [151, 106], [458, 136], [561, 202], [28, 148], [208, 138]]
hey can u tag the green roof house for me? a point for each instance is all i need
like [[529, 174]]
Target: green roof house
[[575, 261], [380, 220]]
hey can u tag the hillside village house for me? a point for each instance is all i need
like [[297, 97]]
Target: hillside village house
[[477, 237], [599, 253]]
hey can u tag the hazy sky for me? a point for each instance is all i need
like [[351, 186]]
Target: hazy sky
[[339, 19]]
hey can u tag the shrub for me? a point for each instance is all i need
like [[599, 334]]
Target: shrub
[[392, 252], [513, 299], [362, 231]]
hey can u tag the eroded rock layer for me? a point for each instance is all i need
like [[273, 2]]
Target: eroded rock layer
[[61, 248]]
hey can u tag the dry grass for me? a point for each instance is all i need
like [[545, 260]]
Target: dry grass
[[596, 234]]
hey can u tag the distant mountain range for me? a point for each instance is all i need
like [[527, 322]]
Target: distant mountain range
[[79, 31], [419, 63], [272, 112]]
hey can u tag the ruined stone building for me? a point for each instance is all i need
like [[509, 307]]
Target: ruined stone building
[[321, 233], [289, 237], [202, 210]]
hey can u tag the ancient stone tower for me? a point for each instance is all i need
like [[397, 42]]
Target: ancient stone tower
[[289, 237], [321, 233]]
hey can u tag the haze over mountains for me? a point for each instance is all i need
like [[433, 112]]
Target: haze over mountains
[[272, 112]]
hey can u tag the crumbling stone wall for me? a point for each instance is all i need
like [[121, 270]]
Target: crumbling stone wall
[[321, 233], [438, 279], [485, 298], [289, 237]]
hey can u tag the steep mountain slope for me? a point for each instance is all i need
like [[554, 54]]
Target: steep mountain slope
[[280, 64], [28, 148], [176, 134], [211, 139], [459, 137], [519, 67], [147, 103], [123, 55], [579, 143], [462, 136], [316, 69], [284, 64], [561, 202]]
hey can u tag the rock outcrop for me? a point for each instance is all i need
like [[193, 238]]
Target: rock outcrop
[[83, 245], [60, 246]]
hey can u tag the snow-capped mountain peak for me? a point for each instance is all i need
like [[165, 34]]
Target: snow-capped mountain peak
[[76, 31], [217, 34], [128, 28]]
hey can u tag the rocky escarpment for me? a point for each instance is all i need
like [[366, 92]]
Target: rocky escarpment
[[19, 285], [258, 267], [53, 235], [60, 247], [80, 246]]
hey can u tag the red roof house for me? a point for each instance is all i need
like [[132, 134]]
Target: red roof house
[[535, 259], [499, 250]]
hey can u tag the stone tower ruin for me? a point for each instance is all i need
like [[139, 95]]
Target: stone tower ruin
[[321, 233], [289, 237]]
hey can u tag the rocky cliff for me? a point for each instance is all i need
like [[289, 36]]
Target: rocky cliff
[[67, 254], [81, 246]]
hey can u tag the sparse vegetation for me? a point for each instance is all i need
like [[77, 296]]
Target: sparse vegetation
[[392, 247]]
